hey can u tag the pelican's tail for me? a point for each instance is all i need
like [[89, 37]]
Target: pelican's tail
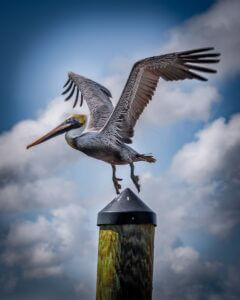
[[148, 158]]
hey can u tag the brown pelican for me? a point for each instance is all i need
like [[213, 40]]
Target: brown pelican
[[110, 129]]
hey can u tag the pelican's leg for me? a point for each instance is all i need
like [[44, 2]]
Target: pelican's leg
[[134, 178], [115, 180]]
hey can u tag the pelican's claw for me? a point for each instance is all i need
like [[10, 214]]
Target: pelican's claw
[[135, 180], [117, 185]]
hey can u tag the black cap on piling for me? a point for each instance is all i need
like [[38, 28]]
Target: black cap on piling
[[126, 208]]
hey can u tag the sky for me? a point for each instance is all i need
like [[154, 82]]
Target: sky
[[50, 195]]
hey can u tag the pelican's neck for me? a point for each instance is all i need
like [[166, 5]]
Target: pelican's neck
[[73, 134]]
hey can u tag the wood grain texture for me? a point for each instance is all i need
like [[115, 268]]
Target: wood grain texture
[[125, 262]]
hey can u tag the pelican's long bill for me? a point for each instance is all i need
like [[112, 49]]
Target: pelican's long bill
[[55, 132]]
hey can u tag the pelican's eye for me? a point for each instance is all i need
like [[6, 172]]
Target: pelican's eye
[[69, 120]]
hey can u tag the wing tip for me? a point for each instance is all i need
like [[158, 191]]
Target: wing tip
[[197, 50], [70, 74]]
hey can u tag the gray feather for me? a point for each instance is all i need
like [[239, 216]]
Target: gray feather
[[72, 92], [143, 80], [81, 102], [76, 98], [67, 83], [97, 98], [68, 88]]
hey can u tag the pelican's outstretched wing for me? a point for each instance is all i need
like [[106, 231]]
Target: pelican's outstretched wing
[[143, 80], [96, 96]]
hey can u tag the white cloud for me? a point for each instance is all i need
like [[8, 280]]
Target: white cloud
[[199, 193], [13, 143], [206, 172], [32, 183], [218, 27], [198, 162], [24, 195], [61, 239], [25, 172], [191, 100], [172, 103], [44, 246], [183, 258]]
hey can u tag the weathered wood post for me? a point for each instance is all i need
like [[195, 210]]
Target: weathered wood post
[[125, 250]]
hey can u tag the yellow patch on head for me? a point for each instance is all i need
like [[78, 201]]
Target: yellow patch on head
[[80, 117]]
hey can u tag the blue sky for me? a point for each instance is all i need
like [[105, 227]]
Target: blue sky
[[42, 41], [48, 204]]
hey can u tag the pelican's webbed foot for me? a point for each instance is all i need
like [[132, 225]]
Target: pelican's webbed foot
[[135, 178], [115, 180]]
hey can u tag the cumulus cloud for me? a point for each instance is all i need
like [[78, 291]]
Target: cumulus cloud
[[200, 279], [212, 152], [212, 162], [55, 236], [180, 271], [41, 247], [13, 143], [191, 100], [48, 230], [24, 172], [182, 258], [172, 103], [204, 173], [199, 192], [218, 27]]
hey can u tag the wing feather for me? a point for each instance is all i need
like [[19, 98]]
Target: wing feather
[[96, 96], [76, 98], [142, 83]]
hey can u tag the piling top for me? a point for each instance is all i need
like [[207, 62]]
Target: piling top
[[126, 208]]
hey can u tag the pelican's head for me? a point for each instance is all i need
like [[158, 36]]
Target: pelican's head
[[72, 122]]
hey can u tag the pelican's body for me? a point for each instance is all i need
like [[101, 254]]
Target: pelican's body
[[94, 144], [110, 129]]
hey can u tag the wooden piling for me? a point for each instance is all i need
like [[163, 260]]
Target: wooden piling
[[125, 250]]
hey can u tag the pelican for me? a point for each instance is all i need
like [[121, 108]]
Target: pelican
[[109, 130]]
